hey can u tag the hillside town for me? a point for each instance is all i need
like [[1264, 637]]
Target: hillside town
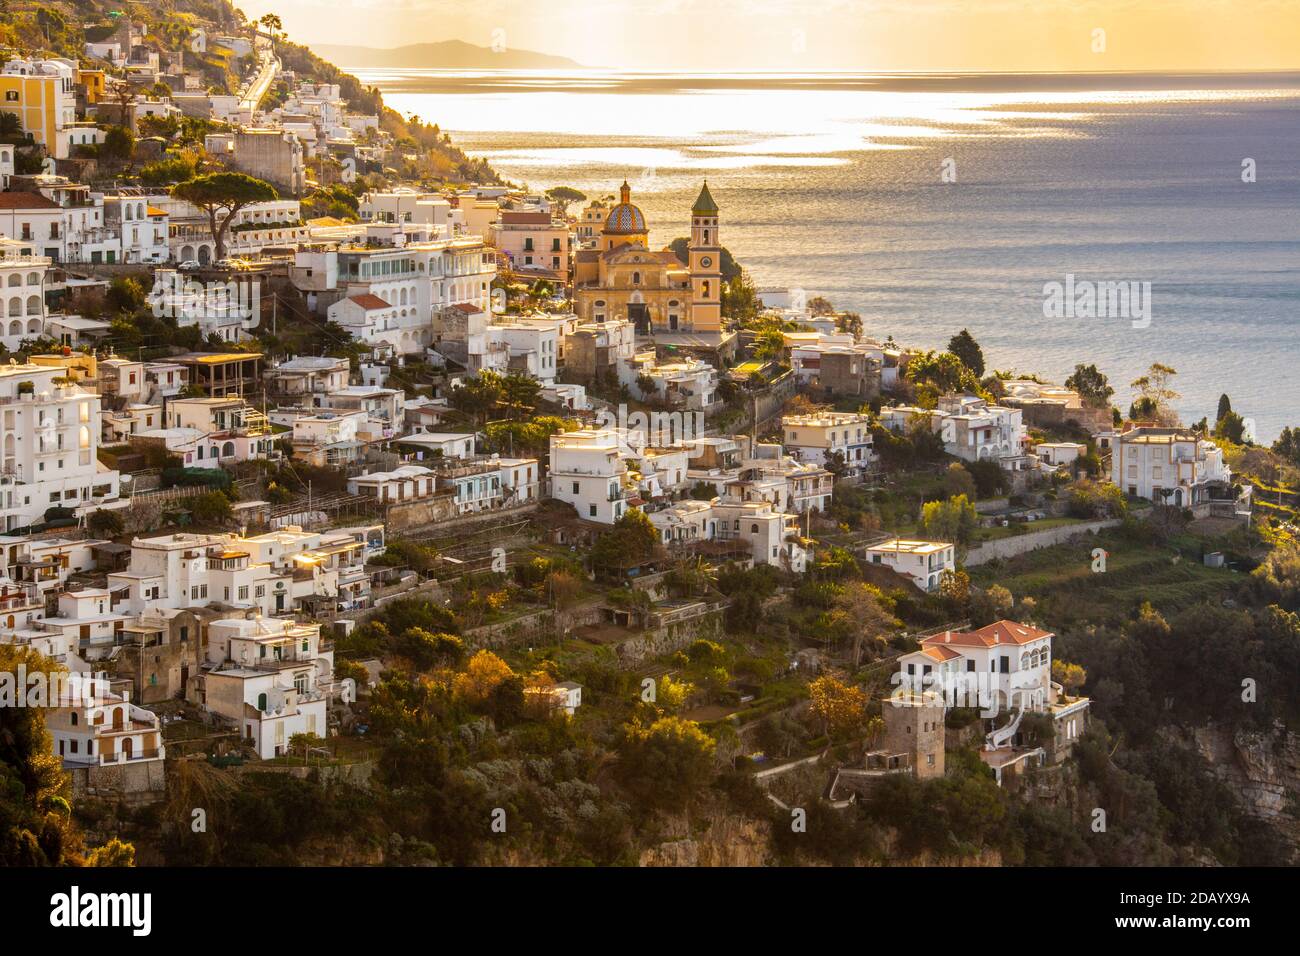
[[319, 453]]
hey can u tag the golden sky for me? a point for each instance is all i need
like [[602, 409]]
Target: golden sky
[[869, 35]]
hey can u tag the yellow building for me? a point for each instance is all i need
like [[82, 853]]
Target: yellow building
[[622, 278], [95, 83], [41, 93], [79, 366]]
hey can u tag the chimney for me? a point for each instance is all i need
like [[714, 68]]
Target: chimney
[[947, 637]]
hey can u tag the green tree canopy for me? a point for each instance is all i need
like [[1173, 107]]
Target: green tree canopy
[[1091, 385], [221, 196], [964, 346]]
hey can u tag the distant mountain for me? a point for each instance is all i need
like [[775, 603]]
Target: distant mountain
[[445, 55]]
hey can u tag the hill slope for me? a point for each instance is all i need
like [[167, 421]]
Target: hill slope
[[445, 55]]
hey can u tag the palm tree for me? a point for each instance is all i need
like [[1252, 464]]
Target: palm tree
[[11, 129]]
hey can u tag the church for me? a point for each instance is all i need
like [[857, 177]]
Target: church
[[621, 278]]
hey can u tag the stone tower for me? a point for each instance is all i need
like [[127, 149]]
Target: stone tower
[[914, 726]]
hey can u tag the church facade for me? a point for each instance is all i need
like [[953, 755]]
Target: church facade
[[622, 278]]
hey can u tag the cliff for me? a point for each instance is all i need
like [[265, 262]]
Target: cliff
[[1264, 772]]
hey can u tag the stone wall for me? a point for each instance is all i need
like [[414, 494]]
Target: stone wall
[[142, 782], [665, 640], [1033, 540], [413, 514]]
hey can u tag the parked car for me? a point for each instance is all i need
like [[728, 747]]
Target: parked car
[[190, 264]]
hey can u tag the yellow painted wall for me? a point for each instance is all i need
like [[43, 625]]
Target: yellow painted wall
[[33, 98]]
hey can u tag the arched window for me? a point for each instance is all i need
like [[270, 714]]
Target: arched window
[[74, 713], [228, 450], [15, 280], [636, 278], [706, 288], [84, 437], [33, 278], [33, 304], [753, 529]]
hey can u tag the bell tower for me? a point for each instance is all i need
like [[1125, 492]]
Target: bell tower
[[705, 254]]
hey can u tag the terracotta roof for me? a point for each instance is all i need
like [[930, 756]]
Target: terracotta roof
[[368, 300], [939, 653], [1000, 632], [1009, 632], [466, 307], [21, 200], [525, 218]]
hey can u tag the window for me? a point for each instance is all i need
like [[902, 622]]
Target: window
[[592, 510]]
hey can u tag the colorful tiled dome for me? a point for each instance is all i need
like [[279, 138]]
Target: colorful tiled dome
[[625, 219]]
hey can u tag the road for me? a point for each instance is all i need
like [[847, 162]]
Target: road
[[268, 70]]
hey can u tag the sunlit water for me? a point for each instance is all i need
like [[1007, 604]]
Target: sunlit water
[[833, 185]]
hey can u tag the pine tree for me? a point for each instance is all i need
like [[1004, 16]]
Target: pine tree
[[964, 346], [1225, 406]]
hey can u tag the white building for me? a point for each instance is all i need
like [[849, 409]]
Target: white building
[[405, 286], [689, 383], [142, 227], [440, 444], [49, 432], [270, 678], [818, 438], [532, 348], [1058, 454], [1147, 462], [769, 535], [310, 375], [922, 561], [1007, 665], [95, 726], [22, 293], [974, 430], [588, 472]]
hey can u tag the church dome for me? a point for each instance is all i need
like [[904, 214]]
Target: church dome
[[625, 219]]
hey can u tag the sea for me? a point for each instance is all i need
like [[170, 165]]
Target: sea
[[930, 203]]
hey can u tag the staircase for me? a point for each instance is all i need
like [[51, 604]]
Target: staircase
[[1004, 735]]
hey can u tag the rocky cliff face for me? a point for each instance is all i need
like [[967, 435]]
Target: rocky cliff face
[[1264, 771], [724, 841]]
